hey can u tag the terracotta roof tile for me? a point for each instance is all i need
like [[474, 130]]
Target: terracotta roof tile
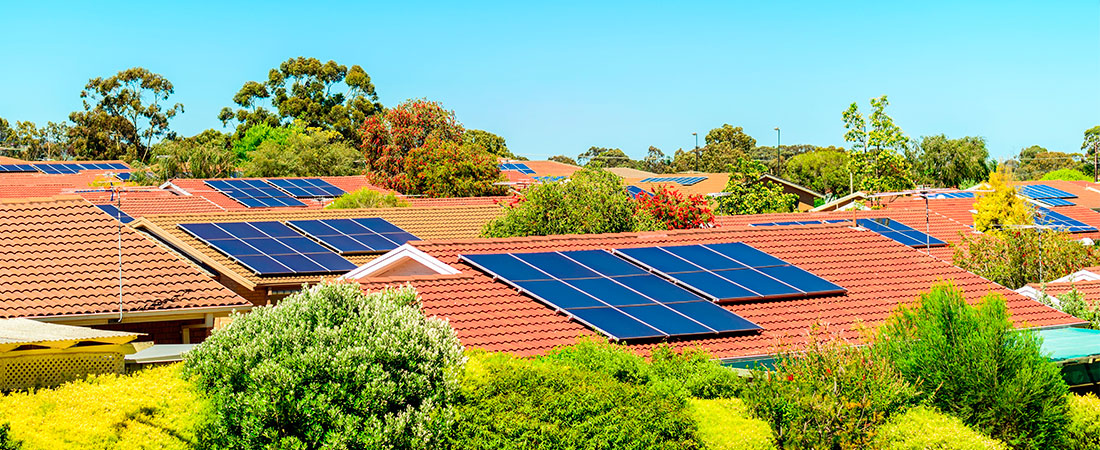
[[61, 257], [878, 273]]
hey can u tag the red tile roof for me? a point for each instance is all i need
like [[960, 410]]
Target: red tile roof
[[140, 203], [198, 187], [60, 257], [458, 201], [879, 274]]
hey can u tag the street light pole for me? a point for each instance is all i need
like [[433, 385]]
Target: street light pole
[[696, 151], [777, 151]]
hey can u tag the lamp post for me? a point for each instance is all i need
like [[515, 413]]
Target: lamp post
[[777, 151], [696, 151]]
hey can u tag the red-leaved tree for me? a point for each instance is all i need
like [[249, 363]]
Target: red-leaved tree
[[676, 211]]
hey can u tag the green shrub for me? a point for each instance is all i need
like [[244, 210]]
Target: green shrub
[[726, 424], [150, 409], [513, 403], [331, 367], [1066, 174], [6, 441], [972, 364], [309, 152], [924, 428], [829, 395], [1083, 430], [1014, 258], [367, 198]]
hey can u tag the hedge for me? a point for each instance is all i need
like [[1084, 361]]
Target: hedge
[[726, 424], [923, 428], [1083, 430]]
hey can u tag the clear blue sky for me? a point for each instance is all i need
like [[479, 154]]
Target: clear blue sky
[[556, 79]]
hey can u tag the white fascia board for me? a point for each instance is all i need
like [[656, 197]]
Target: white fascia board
[[396, 256], [168, 185]]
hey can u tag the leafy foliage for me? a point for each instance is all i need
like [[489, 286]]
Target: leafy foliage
[[605, 157], [6, 441], [831, 394], [1001, 208], [259, 133], [205, 155], [302, 89], [943, 162], [1075, 304], [331, 367], [676, 211], [450, 169], [875, 161], [747, 195], [725, 146], [972, 364], [1091, 143], [592, 201], [1036, 161], [1066, 174], [824, 170], [1083, 430], [924, 428], [490, 142], [563, 159], [303, 152], [726, 424], [50, 142], [1018, 257], [122, 115], [150, 409], [367, 198], [513, 403]]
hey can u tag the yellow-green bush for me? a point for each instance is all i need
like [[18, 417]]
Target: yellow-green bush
[[726, 424], [367, 198], [1083, 430], [924, 428], [150, 409]]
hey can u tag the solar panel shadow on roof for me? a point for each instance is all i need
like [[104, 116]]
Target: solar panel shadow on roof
[[253, 193], [306, 187], [609, 294], [269, 248], [730, 272], [351, 236], [900, 232]]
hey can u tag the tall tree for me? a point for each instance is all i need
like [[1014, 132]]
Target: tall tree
[[1001, 208], [875, 161], [563, 159], [824, 170], [7, 134], [745, 194], [655, 161], [606, 157], [1036, 161], [944, 162], [725, 145], [490, 142], [302, 88], [123, 115], [1091, 146]]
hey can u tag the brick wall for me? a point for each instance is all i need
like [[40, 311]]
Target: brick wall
[[169, 332], [257, 296]]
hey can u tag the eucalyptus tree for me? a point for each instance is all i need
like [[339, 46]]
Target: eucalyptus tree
[[123, 114]]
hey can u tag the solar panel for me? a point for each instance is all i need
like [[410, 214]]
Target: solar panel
[[1041, 191], [609, 294], [269, 248], [730, 272], [550, 178], [17, 168], [519, 167], [947, 195], [798, 222], [634, 191], [1046, 217], [306, 187], [54, 169], [350, 236], [900, 232], [114, 212], [1056, 202], [253, 193], [685, 181]]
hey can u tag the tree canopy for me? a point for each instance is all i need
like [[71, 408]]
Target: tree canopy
[[944, 162], [745, 194], [490, 142], [1035, 161], [875, 161], [1002, 207], [824, 170], [122, 115], [327, 95]]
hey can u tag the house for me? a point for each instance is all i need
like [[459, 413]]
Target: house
[[66, 261], [47, 178], [243, 194], [866, 275], [266, 285], [712, 185]]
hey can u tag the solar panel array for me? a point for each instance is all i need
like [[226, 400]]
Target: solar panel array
[[70, 168], [114, 212], [550, 178], [254, 193], [351, 236], [1046, 217], [900, 232], [269, 248], [306, 187], [609, 294], [730, 272], [9, 168], [947, 195], [522, 168], [635, 190], [1046, 194], [799, 222], [685, 181]]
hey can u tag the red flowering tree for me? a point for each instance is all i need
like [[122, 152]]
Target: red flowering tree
[[400, 147], [676, 211]]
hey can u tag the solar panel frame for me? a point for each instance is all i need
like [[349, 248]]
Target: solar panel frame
[[1055, 202], [17, 168], [242, 242], [253, 193]]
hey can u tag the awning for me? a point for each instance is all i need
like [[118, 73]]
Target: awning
[[1065, 345]]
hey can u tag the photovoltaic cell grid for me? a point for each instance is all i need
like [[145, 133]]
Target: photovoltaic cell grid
[[522, 168], [1045, 217], [306, 187], [685, 181], [70, 168], [269, 248], [635, 190], [1046, 194], [17, 168], [114, 212], [730, 272], [609, 294], [799, 222], [947, 195], [901, 233], [350, 236], [254, 193]]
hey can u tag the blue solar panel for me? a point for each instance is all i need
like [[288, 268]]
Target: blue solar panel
[[900, 232], [634, 191], [685, 181], [947, 195], [1057, 202], [17, 168], [306, 187], [798, 222], [519, 167], [114, 212], [610, 294], [1045, 217], [730, 271], [253, 193], [269, 248], [350, 236], [551, 178], [1040, 191]]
